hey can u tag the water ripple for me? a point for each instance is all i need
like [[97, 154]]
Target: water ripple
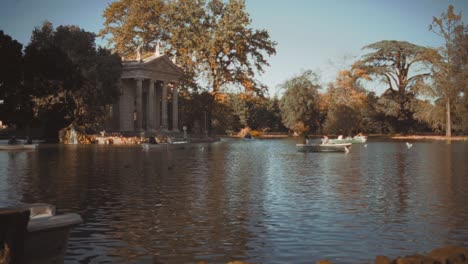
[[259, 201]]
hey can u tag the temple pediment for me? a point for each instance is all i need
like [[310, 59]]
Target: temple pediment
[[153, 67]]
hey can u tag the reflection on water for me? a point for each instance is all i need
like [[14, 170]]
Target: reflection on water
[[258, 201]]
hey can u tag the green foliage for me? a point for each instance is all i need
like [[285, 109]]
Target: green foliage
[[267, 116], [68, 78], [393, 61], [193, 109], [343, 120], [450, 67], [398, 110], [255, 112], [373, 121], [346, 102], [431, 114], [239, 107], [15, 108], [299, 105], [401, 65]]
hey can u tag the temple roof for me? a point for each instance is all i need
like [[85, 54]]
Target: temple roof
[[154, 67]]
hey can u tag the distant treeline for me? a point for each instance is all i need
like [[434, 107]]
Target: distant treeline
[[61, 77]]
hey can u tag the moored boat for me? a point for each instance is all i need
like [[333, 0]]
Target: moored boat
[[352, 140], [324, 147], [46, 235], [18, 146], [173, 145]]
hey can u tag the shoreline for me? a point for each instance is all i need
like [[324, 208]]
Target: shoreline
[[420, 137], [411, 137]]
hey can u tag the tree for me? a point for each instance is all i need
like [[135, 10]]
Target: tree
[[431, 114], [450, 62], [212, 40], [130, 24], [400, 65], [255, 112], [374, 121], [266, 114], [14, 108], [347, 100], [299, 104], [69, 79]]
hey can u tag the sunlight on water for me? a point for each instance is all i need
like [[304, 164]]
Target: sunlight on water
[[257, 201]]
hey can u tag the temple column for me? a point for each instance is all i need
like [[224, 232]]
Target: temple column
[[150, 109], [157, 111], [121, 107], [139, 105], [164, 105], [175, 108], [126, 107]]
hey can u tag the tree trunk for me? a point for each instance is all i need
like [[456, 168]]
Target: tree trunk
[[209, 117], [448, 127]]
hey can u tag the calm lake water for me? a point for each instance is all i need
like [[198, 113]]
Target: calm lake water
[[258, 201]]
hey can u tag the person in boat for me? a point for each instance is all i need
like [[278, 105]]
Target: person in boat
[[325, 139], [169, 140], [13, 141], [28, 140]]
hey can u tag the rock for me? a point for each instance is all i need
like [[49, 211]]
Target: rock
[[382, 260], [322, 261], [415, 259], [450, 254]]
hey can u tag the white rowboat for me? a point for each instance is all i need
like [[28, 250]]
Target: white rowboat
[[324, 147], [18, 146]]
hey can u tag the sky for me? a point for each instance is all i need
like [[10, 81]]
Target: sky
[[320, 35]]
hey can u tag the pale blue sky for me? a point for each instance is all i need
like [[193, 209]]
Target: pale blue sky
[[310, 33]]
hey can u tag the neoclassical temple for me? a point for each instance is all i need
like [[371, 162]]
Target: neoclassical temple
[[145, 87]]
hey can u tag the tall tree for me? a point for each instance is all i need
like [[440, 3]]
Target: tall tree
[[256, 112], [450, 62], [14, 107], [299, 104], [70, 80], [347, 100], [130, 24], [212, 40], [400, 65]]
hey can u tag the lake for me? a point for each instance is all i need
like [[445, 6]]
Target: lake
[[259, 201]]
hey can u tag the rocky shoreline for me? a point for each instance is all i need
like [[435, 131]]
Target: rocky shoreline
[[443, 255]]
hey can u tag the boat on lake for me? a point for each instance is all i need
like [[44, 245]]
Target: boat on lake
[[46, 236], [18, 146], [172, 145], [352, 140], [345, 147], [248, 136]]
